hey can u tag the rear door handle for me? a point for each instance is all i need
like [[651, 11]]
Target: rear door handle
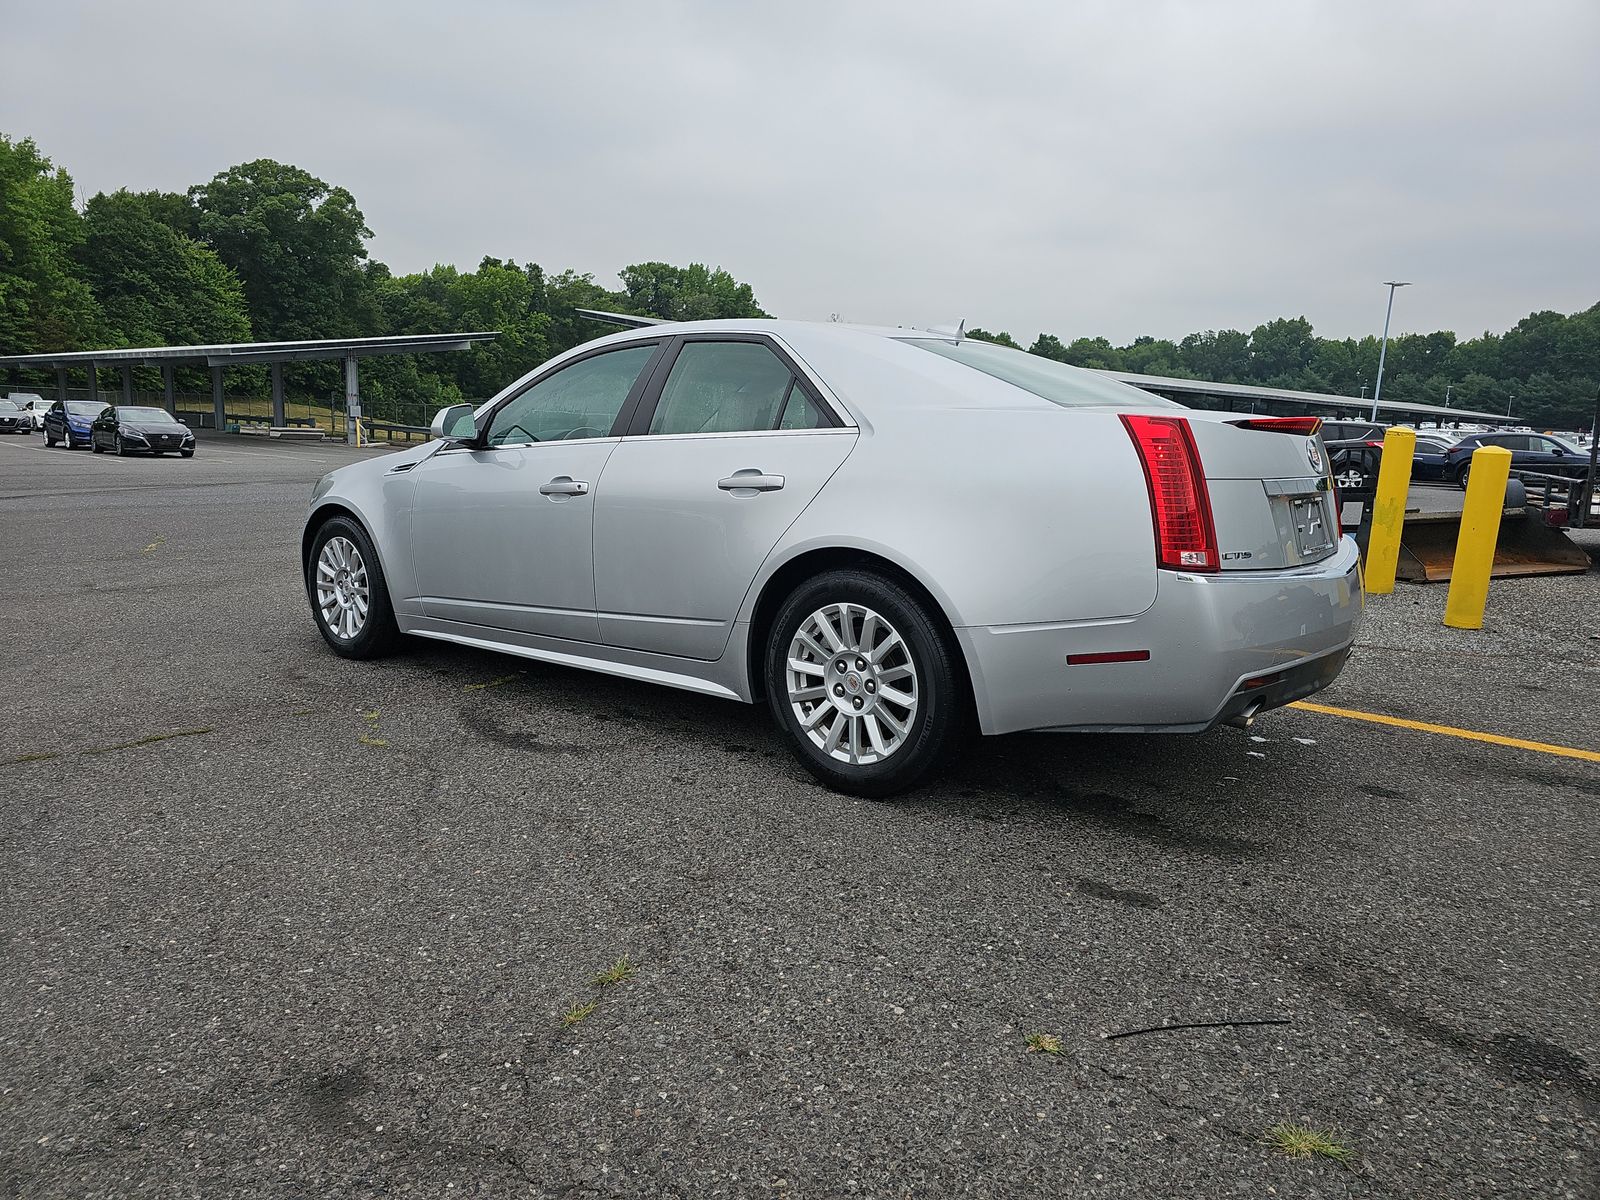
[[564, 485], [750, 480]]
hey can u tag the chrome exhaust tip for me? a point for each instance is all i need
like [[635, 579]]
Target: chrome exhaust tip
[[1245, 719]]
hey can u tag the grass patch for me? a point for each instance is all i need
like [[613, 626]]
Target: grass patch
[[148, 740], [368, 740], [28, 758], [615, 973], [155, 545], [577, 1013], [493, 683], [1300, 1141], [372, 717], [1043, 1043]]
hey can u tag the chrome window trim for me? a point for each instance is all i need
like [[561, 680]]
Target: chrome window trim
[[740, 433], [458, 448]]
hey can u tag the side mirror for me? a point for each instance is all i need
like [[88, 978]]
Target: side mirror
[[455, 423]]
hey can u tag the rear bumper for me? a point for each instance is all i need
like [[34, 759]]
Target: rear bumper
[[1219, 645]]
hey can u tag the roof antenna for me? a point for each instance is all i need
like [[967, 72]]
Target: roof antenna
[[961, 330]]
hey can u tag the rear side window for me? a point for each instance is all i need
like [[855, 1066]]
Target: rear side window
[[727, 387]]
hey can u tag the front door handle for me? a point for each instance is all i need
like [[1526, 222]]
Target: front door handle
[[750, 480], [564, 485]]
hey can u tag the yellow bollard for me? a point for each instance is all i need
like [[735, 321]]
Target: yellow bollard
[[1480, 529], [1389, 509]]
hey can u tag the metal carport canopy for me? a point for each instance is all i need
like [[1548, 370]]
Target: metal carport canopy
[[238, 354], [1241, 391]]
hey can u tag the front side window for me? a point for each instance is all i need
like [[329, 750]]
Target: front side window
[[580, 401], [725, 387]]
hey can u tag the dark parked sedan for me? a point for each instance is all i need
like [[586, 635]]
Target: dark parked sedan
[[14, 418], [1428, 461], [127, 429], [1529, 452]]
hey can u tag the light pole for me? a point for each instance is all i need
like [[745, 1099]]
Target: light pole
[[1383, 350]]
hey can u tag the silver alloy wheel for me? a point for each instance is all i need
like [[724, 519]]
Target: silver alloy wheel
[[852, 684], [342, 588]]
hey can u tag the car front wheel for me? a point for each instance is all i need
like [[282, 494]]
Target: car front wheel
[[348, 594], [863, 684]]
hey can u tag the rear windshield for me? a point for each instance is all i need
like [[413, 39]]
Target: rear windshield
[[1070, 387], [159, 416]]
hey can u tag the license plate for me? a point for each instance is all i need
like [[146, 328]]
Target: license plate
[[1312, 531]]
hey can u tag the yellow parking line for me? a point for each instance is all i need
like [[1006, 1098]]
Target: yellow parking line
[[1448, 731]]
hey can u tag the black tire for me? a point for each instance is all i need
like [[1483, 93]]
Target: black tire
[[939, 722], [121, 449], [1462, 472], [379, 635], [95, 446], [186, 453]]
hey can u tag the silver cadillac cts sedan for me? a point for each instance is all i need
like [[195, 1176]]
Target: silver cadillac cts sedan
[[887, 535]]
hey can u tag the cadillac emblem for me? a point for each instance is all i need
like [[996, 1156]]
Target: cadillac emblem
[[1314, 455]]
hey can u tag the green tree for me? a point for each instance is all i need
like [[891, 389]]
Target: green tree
[[45, 303], [297, 245], [156, 286], [999, 339], [1096, 353], [692, 293], [1048, 345], [1281, 350], [1220, 355]]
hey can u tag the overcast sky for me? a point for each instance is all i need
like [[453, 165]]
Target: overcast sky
[[1078, 168]]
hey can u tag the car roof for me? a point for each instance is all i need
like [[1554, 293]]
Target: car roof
[[867, 367]]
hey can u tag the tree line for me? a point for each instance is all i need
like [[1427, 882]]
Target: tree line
[[266, 251]]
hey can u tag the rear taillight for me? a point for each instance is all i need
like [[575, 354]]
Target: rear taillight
[[1304, 426], [1186, 539]]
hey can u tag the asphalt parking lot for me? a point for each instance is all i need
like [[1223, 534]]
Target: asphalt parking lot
[[277, 924]]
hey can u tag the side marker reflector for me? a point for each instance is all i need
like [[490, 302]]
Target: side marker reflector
[[1109, 656]]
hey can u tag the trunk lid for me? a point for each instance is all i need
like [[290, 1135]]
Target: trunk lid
[[1271, 493]]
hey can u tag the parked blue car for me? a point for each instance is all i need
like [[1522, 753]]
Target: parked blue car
[[68, 421], [1429, 460], [1529, 452]]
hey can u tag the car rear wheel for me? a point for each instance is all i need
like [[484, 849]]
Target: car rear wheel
[[1462, 472], [95, 446], [863, 684], [49, 438], [348, 594]]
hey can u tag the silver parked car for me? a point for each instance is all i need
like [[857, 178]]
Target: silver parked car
[[883, 534]]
